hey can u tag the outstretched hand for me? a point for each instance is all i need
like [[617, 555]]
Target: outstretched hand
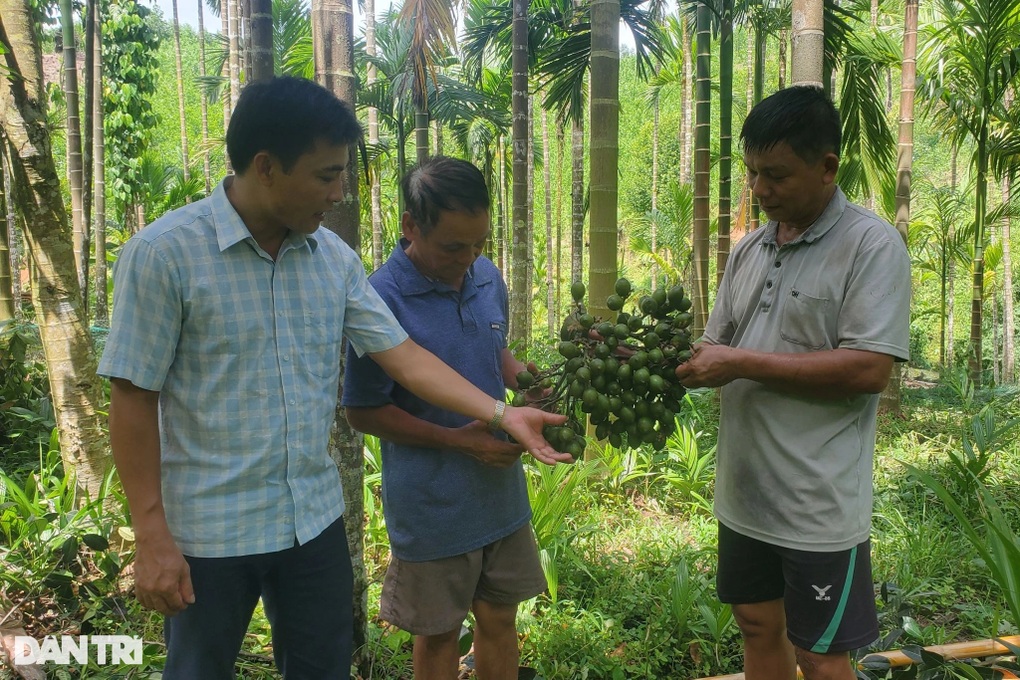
[[525, 425]]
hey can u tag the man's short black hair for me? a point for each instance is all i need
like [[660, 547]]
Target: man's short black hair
[[442, 183], [286, 116], [802, 116]]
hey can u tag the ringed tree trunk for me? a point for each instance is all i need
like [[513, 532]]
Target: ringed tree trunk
[[577, 201], [604, 154], [333, 48], [7, 310], [70, 356], [550, 289], [808, 42], [725, 137], [99, 154], [206, 168], [261, 40], [1009, 333], [234, 47], [373, 139], [75, 165], [703, 124], [520, 285], [180, 96], [891, 398]]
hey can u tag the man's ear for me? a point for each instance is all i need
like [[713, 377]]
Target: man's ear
[[831, 164], [265, 167], [408, 226]]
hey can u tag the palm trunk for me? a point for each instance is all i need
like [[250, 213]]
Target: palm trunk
[[891, 399], [519, 298], [725, 137], [978, 267], [71, 361], [686, 104], [808, 43], [559, 215], [75, 167], [529, 243], [206, 169], [655, 189], [1008, 336], [373, 139], [784, 38], [550, 290], [421, 134], [6, 187], [234, 46], [89, 29], [180, 94], [99, 154], [758, 93], [228, 96], [333, 45], [7, 310], [702, 149], [577, 201], [604, 153], [262, 67], [500, 209]]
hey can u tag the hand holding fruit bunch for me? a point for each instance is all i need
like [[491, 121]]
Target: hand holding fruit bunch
[[620, 372]]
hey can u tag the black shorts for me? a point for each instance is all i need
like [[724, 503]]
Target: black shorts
[[828, 597]]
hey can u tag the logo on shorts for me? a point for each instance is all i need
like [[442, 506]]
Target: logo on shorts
[[822, 595]]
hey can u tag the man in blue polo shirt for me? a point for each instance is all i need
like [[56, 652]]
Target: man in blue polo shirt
[[224, 358], [454, 495]]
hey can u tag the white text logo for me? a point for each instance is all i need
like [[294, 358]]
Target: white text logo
[[108, 649]]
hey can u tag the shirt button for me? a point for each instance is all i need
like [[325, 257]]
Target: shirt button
[[291, 402], [286, 357], [768, 284], [778, 263]]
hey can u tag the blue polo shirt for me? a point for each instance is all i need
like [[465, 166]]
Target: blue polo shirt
[[437, 502]]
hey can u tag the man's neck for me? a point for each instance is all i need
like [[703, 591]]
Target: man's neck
[[266, 231], [789, 231]]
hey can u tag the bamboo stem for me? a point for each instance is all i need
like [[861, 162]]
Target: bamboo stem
[[957, 650]]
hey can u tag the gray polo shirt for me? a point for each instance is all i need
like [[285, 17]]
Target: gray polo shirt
[[796, 471]]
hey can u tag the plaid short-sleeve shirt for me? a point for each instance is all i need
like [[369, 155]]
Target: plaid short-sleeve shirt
[[245, 353]]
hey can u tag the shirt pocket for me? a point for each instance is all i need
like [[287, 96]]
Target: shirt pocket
[[322, 335], [497, 332], [805, 320]]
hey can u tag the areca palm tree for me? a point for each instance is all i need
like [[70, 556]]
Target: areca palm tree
[[432, 30], [75, 166], [971, 58]]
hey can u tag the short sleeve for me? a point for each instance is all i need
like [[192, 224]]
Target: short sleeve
[[369, 324], [875, 315], [366, 385], [721, 324], [147, 314]]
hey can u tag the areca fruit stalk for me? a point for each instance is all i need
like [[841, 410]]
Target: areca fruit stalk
[[619, 372]]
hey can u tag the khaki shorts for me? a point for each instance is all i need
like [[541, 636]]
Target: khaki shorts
[[432, 598]]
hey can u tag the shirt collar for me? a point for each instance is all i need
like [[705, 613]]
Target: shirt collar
[[833, 211], [413, 282], [231, 229]]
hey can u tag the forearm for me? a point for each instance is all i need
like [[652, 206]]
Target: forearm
[[831, 374], [396, 425], [511, 367], [427, 377], [134, 438]]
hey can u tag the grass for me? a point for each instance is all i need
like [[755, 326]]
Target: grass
[[635, 573]]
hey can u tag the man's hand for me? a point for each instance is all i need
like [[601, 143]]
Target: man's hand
[[525, 425], [709, 366], [476, 440], [162, 575]]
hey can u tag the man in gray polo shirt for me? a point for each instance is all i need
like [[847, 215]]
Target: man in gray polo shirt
[[811, 314]]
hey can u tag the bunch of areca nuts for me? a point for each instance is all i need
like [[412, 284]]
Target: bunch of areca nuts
[[620, 373]]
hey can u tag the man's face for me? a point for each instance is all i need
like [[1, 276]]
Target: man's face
[[451, 247], [300, 198], [789, 189]]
